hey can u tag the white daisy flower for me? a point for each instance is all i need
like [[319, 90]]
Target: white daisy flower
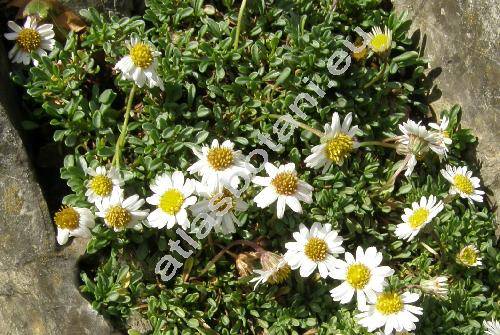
[[173, 195], [284, 186], [315, 248], [392, 311], [441, 130], [119, 213], [336, 145], [437, 286], [221, 206], [140, 64], [220, 165], [491, 327], [416, 142], [274, 271], [362, 275], [463, 183], [416, 217], [30, 38], [73, 221], [380, 42], [102, 183], [397, 333], [469, 256]]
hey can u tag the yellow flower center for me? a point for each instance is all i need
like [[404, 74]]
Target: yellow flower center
[[468, 256], [171, 201], [101, 185], [463, 184], [118, 217], [339, 147], [279, 276], [220, 158], [446, 134], [226, 206], [141, 55], [29, 39], [67, 218], [380, 43], [316, 249], [389, 303], [358, 275], [285, 183], [418, 217]]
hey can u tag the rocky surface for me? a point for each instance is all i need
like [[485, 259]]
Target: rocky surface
[[38, 281], [462, 39]]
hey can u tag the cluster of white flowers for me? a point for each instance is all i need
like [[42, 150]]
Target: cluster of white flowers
[[361, 277], [220, 170]]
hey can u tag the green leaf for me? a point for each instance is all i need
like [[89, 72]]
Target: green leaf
[[405, 57], [107, 97], [283, 75], [39, 8]]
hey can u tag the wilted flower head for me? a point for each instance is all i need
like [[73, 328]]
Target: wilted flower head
[[437, 286], [245, 263], [274, 269], [361, 52], [416, 142], [441, 131]]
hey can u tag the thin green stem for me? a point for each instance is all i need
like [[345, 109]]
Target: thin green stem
[[377, 77], [298, 124], [238, 25], [392, 180], [251, 244], [334, 5], [449, 198], [379, 143], [121, 139]]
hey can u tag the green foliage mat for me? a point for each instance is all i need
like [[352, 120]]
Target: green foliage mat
[[216, 91]]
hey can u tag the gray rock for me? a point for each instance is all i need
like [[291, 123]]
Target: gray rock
[[462, 39], [38, 281]]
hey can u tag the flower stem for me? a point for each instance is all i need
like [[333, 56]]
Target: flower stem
[[298, 124], [238, 25], [449, 198], [379, 143], [121, 139], [392, 180], [251, 244], [377, 77]]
